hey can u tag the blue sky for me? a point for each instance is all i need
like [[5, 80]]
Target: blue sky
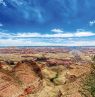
[[47, 22]]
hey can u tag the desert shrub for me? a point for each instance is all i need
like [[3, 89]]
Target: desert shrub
[[88, 88], [10, 62], [52, 79]]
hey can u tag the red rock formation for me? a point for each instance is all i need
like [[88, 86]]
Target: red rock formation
[[26, 71], [5, 66], [8, 86], [57, 62]]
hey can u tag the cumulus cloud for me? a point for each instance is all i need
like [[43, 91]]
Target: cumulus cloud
[[67, 34], [57, 30], [54, 39], [28, 34], [36, 34], [84, 34]]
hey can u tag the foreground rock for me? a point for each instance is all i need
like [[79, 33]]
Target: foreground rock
[[48, 90], [57, 75], [26, 72], [5, 66], [8, 86]]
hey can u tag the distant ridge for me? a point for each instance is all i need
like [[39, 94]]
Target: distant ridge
[[44, 46]]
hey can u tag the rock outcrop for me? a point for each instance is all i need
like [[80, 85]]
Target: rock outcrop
[[5, 66], [8, 86], [26, 72]]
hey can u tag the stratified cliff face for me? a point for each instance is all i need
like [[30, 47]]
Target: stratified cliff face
[[34, 79], [8, 86], [28, 79], [26, 74]]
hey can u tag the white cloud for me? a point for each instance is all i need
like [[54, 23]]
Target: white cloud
[[2, 2], [91, 23], [28, 34], [70, 39], [76, 34], [84, 34], [3, 34], [35, 34], [57, 39], [58, 35], [23, 42], [57, 30]]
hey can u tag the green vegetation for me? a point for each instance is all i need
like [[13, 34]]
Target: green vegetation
[[52, 79], [88, 88]]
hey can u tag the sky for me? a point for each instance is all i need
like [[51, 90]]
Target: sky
[[47, 22]]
